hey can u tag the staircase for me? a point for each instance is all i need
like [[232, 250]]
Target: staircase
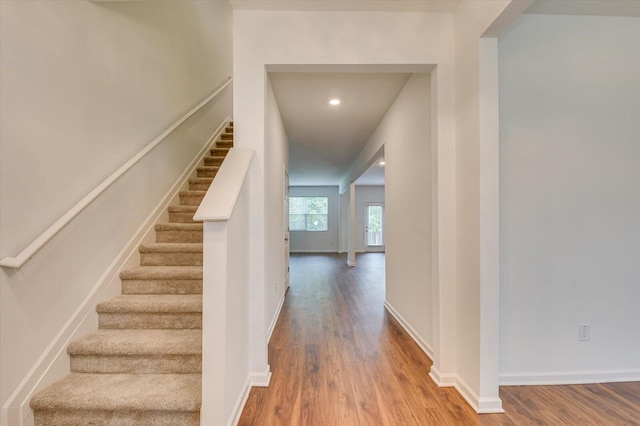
[[143, 366]]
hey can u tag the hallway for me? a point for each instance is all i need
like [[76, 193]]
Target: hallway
[[338, 358]]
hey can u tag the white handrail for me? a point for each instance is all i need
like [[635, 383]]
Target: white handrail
[[38, 243], [220, 199]]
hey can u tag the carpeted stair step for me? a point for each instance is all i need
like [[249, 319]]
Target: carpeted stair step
[[138, 351], [213, 160], [191, 198], [178, 233], [200, 184], [171, 254], [219, 152], [227, 136], [120, 399], [182, 214], [154, 311], [162, 280], [224, 144], [205, 171]]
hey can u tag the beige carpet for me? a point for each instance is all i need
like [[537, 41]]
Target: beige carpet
[[143, 366]]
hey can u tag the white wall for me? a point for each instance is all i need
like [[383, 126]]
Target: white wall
[[264, 38], [276, 159], [320, 241], [366, 194], [84, 87], [477, 362], [570, 199], [406, 133]]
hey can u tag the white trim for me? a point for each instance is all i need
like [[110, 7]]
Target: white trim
[[46, 369], [274, 321], [412, 332], [261, 379], [442, 380], [242, 400], [312, 251], [480, 405], [569, 377], [51, 231]]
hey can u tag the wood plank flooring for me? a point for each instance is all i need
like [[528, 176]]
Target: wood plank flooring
[[338, 358]]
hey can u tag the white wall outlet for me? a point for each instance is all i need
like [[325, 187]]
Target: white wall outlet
[[584, 332]]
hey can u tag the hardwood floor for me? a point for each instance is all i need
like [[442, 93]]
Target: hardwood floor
[[338, 358]]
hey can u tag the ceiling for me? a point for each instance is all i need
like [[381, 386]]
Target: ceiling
[[325, 140]]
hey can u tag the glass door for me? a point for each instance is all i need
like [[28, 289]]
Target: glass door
[[374, 228]]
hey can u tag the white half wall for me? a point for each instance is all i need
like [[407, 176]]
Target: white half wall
[[570, 199], [318, 241], [84, 87]]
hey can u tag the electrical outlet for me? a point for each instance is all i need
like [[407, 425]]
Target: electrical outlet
[[584, 332]]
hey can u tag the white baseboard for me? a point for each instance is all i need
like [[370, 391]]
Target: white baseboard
[[412, 332], [480, 405], [53, 364], [274, 321], [313, 251], [257, 379], [570, 377], [442, 380]]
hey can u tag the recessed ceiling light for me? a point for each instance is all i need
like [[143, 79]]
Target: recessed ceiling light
[[334, 101], [381, 162]]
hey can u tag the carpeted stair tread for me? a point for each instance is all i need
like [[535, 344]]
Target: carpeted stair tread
[[126, 392], [171, 248], [162, 273], [209, 168], [138, 342], [152, 303], [178, 227], [200, 184], [182, 209], [193, 193]]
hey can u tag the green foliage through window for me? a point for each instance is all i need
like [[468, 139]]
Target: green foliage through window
[[308, 213]]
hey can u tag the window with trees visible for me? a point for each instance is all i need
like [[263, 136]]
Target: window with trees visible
[[308, 213]]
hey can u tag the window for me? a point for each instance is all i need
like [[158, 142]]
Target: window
[[308, 213]]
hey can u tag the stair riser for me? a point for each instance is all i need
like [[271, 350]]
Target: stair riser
[[182, 218], [204, 173], [150, 364], [171, 259], [213, 161], [120, 418], [198, 186], [224, 144], [161, 286], [226, 136], [137, 320], [191, 200], [178, 236]]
